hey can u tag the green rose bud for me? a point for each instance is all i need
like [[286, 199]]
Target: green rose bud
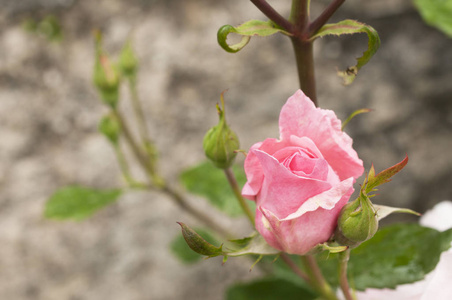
[[106, 76], [220, 142], [128, 62], [110, 127], [357, 222]]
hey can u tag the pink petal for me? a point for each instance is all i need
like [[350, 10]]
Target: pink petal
[[282, 191], [253, 169], [299, 117], [300, 235]]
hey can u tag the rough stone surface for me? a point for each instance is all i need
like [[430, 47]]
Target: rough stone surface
[[49, 113]]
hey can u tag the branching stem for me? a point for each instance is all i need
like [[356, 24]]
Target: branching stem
[[235, 188], [343, 262]]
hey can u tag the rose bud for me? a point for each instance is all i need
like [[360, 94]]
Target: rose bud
[[220, 142], [357, 222], [106, 76], [109, 126], [128, 62], [301, 181]]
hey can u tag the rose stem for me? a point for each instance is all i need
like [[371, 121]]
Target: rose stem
[[235, 188], [294, 267], [343, 261], [317, 278], [159, 183], [303, 47], [183, 203], [324, 16], [273, 15], [138, 110]]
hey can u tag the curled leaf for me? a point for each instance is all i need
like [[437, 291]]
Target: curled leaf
[[351, 27], [246, 30]]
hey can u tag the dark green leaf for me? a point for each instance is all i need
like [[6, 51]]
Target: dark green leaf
[[397, 254], [210, 182], [246, 30], [77, 203], [268, 289], [351, 27], [437, 13], [182, 251]]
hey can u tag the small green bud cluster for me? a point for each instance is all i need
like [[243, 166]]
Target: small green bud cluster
[[220, 142], [357, 222]]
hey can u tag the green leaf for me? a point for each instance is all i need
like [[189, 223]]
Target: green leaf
[[255, 244], [210, 182], [181, 250], [246, 30], [384, 176], [351, 27], [268, 289], [397, 254], [437, 13], [78, 203]]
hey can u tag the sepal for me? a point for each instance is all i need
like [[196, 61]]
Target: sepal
[[254, 244]]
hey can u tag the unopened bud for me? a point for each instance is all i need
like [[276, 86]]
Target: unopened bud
[[357, 222], [106, 76], [128, 62], [220, 142], [110, 127]]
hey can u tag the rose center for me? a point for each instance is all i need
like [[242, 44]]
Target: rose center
[[303, 163]]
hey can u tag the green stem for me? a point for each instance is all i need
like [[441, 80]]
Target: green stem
[[343, 262], [183, 203], [138, 109], [316, 278], [235, 188], [139, 155], [123, 165], [294, 267]]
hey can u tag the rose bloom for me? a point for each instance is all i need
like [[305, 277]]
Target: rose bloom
[[437, 284], [301, 181]]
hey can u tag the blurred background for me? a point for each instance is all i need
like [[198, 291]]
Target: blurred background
[[49, 112]]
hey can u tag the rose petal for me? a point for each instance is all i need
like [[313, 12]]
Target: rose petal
[[299, 117], [300, 235], [326, 200], [282, 191], [253, 167]]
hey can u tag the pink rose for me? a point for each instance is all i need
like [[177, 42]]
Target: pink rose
[[301, 181]]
